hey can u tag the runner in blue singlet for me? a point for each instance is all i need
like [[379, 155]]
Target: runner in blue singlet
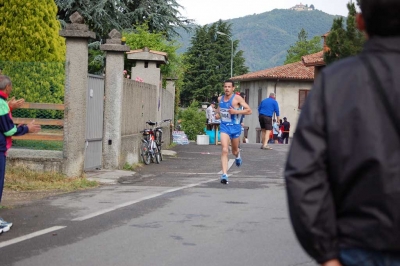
[[230, 110]]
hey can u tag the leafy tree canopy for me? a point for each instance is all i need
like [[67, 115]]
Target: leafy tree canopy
[[104, 15], [303, 47], [208, 62], [344, 41]]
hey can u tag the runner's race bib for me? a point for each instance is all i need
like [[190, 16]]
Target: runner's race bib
[[225, 115]]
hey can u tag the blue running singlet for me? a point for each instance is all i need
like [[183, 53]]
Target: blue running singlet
[[230, 124]]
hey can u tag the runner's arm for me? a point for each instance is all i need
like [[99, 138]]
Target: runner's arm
[[217, 114], [246, 108]]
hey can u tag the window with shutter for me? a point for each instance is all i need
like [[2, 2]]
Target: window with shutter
[[259, 96], [302, 97]]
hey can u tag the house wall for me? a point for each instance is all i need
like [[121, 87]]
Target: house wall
[[287, 95]]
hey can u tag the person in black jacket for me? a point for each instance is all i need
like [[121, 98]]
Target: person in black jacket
[[343, 182], [286, 131]]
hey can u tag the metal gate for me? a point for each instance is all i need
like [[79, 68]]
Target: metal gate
[[94, 122]]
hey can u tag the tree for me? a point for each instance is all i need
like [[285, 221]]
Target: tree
[[208, 63], [29, 31], [31, 51], [303, 47], [161, 16], [104, 15], [312, 7], [344, 42]]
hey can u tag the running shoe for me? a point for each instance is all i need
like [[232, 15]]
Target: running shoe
[[224, 179], [238, 162], [5, 226]]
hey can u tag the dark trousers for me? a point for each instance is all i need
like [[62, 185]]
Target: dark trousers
[[285, 137], [2, 172], [357, 256]]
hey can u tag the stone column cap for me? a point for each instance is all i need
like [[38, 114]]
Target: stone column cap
[[77, 34], [115, 43], [77, 29], [114, 47]]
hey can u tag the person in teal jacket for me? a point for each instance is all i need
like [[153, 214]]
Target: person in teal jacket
[[8, 129]]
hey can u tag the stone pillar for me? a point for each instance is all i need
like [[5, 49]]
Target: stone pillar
[[77, 35], [170, 86], [113, 99], [147, 68]]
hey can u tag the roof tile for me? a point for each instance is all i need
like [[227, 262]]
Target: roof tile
[[293, 71], [316, 59]]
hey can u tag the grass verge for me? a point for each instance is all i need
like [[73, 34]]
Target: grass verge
[[129, 167], [171, 145], [39, 145], [22, 179]]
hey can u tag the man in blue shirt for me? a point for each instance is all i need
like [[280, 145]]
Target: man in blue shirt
[[266, 111]]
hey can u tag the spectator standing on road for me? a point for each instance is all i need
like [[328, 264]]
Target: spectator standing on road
[[275, 127], [266, 111], [210, 113], [343, 183], [286, 131], [8, 129], [229, 111]]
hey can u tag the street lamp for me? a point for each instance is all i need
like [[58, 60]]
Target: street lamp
[[230, 37]]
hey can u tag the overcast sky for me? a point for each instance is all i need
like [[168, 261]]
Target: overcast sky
[[209, 11]]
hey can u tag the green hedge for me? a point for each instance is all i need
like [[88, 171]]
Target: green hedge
[[192, 120]]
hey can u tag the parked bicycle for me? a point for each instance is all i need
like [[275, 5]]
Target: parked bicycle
[[149, 149], [158, 135]]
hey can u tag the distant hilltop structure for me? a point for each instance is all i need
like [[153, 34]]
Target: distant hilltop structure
[[301, 7]]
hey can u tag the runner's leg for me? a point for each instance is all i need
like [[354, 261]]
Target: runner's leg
[[235, 147], [225, 149]]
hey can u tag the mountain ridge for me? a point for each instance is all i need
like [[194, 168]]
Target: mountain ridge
[[266, 37]]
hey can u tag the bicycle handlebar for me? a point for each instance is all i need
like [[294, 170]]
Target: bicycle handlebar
[[151, 123]]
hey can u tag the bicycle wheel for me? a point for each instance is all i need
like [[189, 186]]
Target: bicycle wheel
[[144, 152], [159, 150], [157, 154], [158, 138]]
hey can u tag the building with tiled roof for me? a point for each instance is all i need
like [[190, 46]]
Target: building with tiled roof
[[301, 7], [290, 83], [294, 71], [315, 61]]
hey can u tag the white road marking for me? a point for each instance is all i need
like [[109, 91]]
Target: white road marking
[[230, 163], [29, 236], [125, 204], [86, 217]]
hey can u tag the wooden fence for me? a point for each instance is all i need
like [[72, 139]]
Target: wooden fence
[[43, 122]]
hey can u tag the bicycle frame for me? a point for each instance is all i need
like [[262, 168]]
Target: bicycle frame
[[158, 137], [149, 149]]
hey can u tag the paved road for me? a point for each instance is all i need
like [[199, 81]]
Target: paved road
[[174, 213]]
